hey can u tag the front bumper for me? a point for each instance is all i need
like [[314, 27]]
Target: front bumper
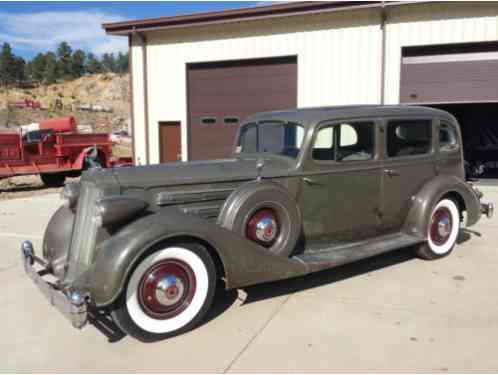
[[71, 303]]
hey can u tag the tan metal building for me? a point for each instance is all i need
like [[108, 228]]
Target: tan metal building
[[195, 77]]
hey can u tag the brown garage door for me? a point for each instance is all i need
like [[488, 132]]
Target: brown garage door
[[450, 74], [222, 94]]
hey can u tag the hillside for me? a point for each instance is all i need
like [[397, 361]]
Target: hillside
[[108, 91]]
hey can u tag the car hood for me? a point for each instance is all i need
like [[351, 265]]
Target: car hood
[[236, 169]]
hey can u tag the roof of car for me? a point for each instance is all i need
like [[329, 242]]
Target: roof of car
[[310, 116]]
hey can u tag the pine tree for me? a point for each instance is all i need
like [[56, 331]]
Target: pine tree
[[7, 61], [64, 59], [122, 63], [92, 65], [51, 72], [78, 63], [108, 62], [38, 65]]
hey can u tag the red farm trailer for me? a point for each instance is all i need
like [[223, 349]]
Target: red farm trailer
[[54, 150]]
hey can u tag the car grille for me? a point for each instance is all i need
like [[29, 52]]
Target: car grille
[[84, 232]]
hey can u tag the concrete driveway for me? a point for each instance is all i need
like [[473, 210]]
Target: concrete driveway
[[391, 313]]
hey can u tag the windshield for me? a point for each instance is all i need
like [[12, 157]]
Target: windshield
[[271, 137]]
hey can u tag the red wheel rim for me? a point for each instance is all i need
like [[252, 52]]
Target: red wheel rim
[[166, 289], [441, 226], [263, 227]]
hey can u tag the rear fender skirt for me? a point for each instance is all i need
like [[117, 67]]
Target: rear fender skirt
[[244, 262], [417, 221]]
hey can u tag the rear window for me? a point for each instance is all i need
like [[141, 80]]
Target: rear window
[[408, 138], [447, 137]]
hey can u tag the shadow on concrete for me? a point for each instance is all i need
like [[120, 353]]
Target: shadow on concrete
[[224, 299], [279, 288], [103, 322], [23, 188], [466, 234]]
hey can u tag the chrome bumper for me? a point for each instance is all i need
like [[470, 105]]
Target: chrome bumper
[[488, 209], [71, 304]]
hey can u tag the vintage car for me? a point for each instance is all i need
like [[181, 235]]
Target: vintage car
[[305, 190]]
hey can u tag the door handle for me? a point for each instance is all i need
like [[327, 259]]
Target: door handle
[[309, 181], [391, 172]]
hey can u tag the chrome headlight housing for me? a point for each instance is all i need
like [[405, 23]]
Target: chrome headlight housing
[[70, 194], [116, 209]]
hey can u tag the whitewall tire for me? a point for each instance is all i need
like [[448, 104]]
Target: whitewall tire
[[168, 292], [442, 231]]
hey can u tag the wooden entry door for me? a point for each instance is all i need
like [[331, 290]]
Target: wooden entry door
[[170, 143]]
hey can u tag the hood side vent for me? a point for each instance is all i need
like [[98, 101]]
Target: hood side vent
[[173, 198]]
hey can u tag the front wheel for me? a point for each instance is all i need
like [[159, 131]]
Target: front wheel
[[168, 293], [442, 232]]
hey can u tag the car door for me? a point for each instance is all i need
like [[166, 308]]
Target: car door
[[340, 191], [408, 163]]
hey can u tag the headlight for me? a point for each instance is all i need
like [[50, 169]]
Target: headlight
[[117, 209], [70, 194]]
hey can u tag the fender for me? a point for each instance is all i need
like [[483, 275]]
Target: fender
[[418, 217], [244, 262]]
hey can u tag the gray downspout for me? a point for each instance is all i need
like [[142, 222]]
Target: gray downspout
[[383, 18]]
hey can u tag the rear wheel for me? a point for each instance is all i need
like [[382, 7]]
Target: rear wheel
[[442, 232], [168, 293], [53, 179]]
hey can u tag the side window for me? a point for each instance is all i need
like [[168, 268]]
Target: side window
[[408, 137], [356, 141], [447, 138], [248, 139], [323, 148], [345, 142]]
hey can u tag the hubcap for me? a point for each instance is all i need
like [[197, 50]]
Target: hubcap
[[166, 289], [441, 226], [263, 227]]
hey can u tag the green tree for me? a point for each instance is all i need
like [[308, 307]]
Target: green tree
[[50, 73], [18, 70], [108, 62], [7, 69], [37, 67], [92, 65], [78, 63], [64, 60], [122, 63]]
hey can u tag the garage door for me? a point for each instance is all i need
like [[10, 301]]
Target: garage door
[[221, 95], [460, 73]]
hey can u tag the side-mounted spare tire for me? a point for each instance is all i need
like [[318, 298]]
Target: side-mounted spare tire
[[263, 212]]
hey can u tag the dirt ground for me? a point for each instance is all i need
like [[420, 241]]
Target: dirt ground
[[25, 186]]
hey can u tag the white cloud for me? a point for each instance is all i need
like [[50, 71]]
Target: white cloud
[[43, 31]]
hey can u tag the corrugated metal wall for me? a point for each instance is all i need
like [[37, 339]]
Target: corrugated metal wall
[[439, 23], [339, 55], [330, 71]]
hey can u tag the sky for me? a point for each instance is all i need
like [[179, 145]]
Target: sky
[[32, 27]]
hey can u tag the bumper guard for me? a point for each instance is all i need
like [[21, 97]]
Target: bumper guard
[[487, 209], [71, 304]]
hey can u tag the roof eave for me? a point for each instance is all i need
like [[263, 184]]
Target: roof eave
[[239, 15]]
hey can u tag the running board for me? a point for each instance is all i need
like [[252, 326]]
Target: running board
[[328, 257]]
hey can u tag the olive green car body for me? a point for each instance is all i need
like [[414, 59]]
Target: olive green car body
[[355, 207]]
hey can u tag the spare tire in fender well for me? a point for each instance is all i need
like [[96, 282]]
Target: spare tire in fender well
[[254, 196]]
